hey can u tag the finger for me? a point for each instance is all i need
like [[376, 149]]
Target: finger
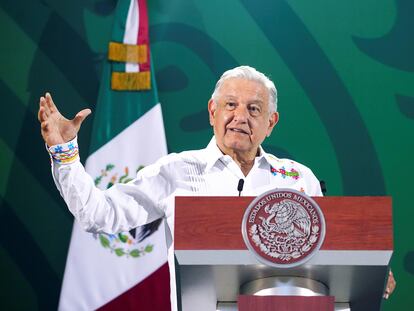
[[51, 105], [43, 103], [391, 283], [81, 116], [44, 111], [45, 116], [40, 114], [44, 125]]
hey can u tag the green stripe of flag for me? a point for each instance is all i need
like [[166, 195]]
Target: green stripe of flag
[[121, 14], [116, 110]]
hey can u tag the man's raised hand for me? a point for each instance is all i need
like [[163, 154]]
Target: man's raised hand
[[55, 128]]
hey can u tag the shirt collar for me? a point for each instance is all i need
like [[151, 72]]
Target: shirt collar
[[214, 154], [270, 158]]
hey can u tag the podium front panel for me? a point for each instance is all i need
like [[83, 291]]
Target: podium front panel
[[214, 262]]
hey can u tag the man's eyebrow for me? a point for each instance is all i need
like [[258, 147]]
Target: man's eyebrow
[[230, 97], [250, 102], [256, 101]]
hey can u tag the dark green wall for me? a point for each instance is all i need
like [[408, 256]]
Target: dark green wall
[[344, 71]]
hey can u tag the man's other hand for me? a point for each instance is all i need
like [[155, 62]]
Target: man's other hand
[[391, 283]]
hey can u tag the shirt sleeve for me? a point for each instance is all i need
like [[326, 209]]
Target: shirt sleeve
[[119, 208]]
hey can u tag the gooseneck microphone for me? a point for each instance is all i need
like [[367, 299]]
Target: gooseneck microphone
[[240, 186]]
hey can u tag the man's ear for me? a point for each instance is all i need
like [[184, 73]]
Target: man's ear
[[273, 119], [211, 111]]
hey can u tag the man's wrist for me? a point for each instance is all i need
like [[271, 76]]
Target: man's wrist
[[65, 153]]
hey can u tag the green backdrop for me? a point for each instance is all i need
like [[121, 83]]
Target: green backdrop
[[344, 71]]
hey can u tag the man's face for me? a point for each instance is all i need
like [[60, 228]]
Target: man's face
[[240, 116]]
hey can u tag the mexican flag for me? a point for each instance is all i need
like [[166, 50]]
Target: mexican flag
[[122, 271]]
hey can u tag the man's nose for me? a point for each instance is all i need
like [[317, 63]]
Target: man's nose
[[241, 114]]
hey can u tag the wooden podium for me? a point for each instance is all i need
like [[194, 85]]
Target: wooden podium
[[214, 263]]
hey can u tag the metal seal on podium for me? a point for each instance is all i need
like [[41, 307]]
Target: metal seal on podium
[[283, 228]]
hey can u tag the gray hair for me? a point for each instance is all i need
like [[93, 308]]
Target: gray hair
[[249, 73]]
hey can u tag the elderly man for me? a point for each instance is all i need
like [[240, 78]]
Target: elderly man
[[242, 112]]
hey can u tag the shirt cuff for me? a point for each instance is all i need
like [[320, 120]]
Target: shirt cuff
[[66, 153]]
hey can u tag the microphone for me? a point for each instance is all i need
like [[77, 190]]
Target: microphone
[[323, 187], [240, 186]]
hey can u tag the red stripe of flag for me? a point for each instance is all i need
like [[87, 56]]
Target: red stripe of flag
[[143, 37], [152, 294]]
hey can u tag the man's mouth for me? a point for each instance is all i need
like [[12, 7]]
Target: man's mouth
[[237, 130]]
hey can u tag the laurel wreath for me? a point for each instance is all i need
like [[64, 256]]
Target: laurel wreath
[[266, 243], [120, 237], [119, 251]]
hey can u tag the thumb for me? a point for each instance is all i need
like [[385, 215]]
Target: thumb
[[81, 116]]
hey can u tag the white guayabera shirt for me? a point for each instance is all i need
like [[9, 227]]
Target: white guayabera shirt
[[205, 172]]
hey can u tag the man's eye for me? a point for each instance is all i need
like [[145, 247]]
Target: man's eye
[[230, 105], [254, 110]]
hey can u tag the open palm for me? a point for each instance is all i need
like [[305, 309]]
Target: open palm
[[55, 128]]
